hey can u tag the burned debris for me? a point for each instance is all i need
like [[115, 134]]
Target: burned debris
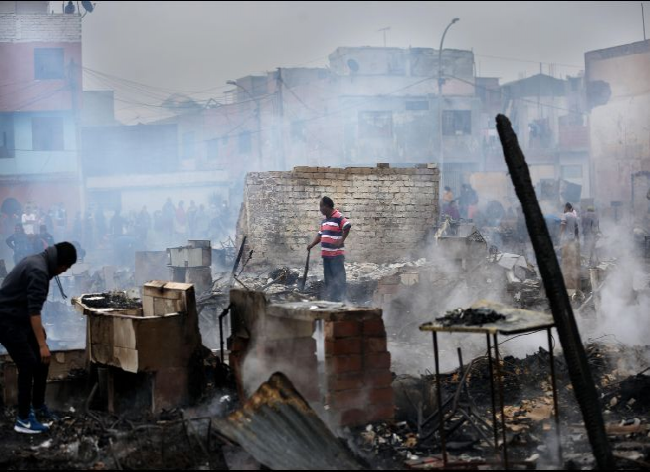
[[111, 300], [178, 371], [280, 429], [470, 317]]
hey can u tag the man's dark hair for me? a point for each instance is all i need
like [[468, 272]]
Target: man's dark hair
[[568, 206], [328, 202], [66, 254], [447, 189]]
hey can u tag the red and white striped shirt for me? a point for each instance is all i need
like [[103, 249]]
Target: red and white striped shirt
[[331, 231]]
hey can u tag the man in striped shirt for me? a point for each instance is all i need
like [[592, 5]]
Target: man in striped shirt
[[334, 229]]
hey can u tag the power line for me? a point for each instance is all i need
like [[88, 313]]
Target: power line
[[153, 87], [520, 98], [531, 61], [131, 91], [42, 96], [126, 88], [13, 93], [297, 97]]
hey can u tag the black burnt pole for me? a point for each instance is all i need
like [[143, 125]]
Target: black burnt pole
[[565, 323]]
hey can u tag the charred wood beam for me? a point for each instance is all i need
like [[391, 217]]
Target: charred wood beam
[[574, 352], [241, 251]]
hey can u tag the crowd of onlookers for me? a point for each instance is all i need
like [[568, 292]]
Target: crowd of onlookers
[[29, 229]]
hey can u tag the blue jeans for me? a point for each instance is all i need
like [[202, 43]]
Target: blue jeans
[[334, 289]]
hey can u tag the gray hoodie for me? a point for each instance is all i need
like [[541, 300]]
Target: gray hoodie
[[25, 288]]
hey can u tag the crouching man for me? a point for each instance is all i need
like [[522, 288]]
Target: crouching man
[[22, 296]]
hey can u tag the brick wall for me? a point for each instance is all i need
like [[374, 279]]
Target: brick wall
[[35, 27], [390, 210], [357, 366]]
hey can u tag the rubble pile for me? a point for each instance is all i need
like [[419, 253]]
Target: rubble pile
[[629, 396], [361, 278], [98, 441], [115, 300], [470, 317], [528, 413]]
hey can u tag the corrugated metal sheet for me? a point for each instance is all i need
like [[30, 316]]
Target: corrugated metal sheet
[[280, 430]]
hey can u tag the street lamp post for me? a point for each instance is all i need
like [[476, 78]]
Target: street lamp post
[[257, 119], [440, 82]]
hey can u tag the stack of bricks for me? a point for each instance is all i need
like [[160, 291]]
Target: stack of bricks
[[357, 365], [391, 210], [356, 385]]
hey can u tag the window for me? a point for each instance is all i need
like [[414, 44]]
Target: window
[[47, 134], [48, 63], [298, 131], [6, 136], [456, 122], [571, 172], [245, 144], [417, 105], [375, 124]]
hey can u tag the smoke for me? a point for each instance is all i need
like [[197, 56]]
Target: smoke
[[221, 405], [456, 276], [621, 304], [278, 347]]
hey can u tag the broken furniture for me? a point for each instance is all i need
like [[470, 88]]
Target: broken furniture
[[491, 319], [191, 264], [159, 340], [277, 337]]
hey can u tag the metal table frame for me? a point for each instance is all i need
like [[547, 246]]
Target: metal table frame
[[534, 321]]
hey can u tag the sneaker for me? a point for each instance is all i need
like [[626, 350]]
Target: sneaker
[[45, 414], [30, 425]]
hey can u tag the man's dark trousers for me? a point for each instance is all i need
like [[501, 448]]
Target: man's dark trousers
[[22, 346], [335, 283]]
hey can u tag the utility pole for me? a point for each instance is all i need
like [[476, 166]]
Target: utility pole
[[384, 31], [280, 112], [643, 18], [440, 102]]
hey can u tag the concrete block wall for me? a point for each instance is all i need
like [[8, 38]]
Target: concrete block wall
[[390, 209]]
